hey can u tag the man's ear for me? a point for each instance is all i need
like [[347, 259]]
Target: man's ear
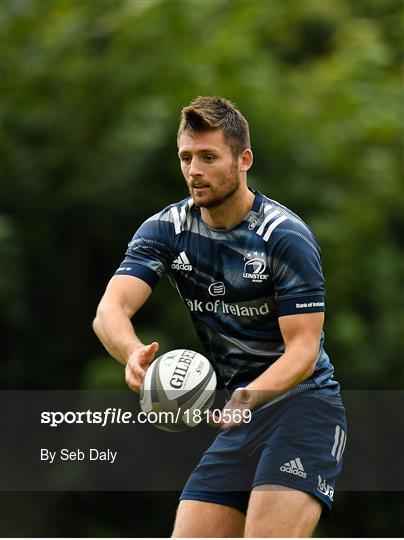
[[246, 159]]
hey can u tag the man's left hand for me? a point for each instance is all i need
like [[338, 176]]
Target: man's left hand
[[234, 413]]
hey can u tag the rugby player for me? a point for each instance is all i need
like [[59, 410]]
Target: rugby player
[[248, 270]]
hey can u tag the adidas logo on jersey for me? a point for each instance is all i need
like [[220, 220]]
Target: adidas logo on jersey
[[181, 263], [294, 466]]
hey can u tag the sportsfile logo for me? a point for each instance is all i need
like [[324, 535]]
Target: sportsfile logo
[[181, 263], [255, 266], [294, 466]]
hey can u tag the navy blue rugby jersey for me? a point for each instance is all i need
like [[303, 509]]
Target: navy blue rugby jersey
[[236, 283]]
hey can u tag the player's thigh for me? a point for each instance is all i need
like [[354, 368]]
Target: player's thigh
[[278, 511], [204, 519]]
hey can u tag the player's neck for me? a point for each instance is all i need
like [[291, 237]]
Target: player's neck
[[231, 212]]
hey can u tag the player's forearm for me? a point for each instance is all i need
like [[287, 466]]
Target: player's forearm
[[115, 331], [294, 366]]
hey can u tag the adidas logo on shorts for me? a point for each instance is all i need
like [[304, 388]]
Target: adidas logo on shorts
[[294, 466], [181, 262]]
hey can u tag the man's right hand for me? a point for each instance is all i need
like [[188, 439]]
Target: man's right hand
[[138, 363]]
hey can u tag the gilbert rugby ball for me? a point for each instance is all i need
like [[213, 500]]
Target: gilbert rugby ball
[[178, 386]]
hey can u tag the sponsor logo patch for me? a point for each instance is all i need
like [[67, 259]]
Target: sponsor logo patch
[[309, 305], [252, 224], [181, 263], [219, 306], [217, 289], [325, 488], [294, 466]]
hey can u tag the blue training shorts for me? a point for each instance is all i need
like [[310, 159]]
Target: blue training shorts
[[297, 443]]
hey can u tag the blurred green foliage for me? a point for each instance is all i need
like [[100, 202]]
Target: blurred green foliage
[[91, 94]]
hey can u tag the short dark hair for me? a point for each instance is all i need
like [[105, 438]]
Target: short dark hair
[[208, 113]]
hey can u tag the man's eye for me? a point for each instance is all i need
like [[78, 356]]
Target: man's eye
[[209, 158], [186, 159]]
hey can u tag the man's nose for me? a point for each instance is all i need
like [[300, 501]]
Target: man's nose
[[194, 168]]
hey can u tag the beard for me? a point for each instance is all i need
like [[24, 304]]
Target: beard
[[223, 189]]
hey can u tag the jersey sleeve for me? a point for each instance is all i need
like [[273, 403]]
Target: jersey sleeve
[[296, 272], [148, 255]]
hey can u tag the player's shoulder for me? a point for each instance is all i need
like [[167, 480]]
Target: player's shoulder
[[276, 222], [171, 219]]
